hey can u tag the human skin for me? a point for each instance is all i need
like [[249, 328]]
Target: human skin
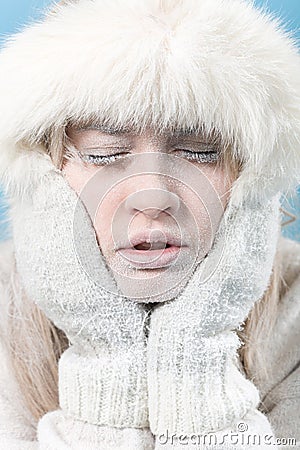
[[155, 186]]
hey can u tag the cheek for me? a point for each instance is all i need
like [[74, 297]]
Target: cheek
[[109, 220], [78, 178], [103, 223], [208, 202], [220, 183], [76, 175]]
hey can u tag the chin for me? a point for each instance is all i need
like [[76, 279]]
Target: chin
[[152, 286]]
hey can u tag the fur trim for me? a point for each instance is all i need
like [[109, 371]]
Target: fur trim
[[22, 169], [166, 63]]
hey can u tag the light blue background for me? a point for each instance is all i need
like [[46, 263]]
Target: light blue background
[[15, 13]]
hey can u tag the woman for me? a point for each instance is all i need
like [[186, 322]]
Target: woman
[[149, 300]]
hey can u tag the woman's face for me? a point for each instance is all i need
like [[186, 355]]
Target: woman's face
[[155, 201]]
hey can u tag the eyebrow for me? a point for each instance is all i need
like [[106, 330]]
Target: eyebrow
[[104, 128], [117, 130], [209, 138]]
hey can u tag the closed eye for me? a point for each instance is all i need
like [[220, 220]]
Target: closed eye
[[101, 160], [201, 157]]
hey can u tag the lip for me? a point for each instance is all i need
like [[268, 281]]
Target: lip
[[151, 259], [151, 236]]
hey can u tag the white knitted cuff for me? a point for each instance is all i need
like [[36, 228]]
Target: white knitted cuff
[[106, 390], [200, 390]]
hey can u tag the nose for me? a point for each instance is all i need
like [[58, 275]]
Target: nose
[[152, 202]]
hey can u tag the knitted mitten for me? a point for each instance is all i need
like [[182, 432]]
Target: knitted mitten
[[195, 385], [102, 375]]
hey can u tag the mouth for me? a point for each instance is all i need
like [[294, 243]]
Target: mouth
[[152, 253], [151, 246]]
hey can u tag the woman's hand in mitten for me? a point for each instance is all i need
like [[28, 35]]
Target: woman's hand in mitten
[[194, 382], [102, 376]]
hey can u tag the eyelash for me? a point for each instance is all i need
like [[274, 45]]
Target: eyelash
[[102, 160], [99, 160], [205, 157]]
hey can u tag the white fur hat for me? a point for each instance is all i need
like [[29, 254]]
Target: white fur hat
[[168, 63]]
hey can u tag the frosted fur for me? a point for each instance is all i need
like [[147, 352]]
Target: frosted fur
[[214, 63]]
